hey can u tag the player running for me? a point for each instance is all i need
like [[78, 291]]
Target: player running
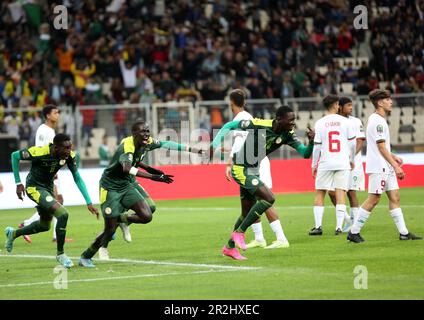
[[119, 190], [237, 103], [264, 137], [44, 135], [382, 168], [334, 147], [45, 163]]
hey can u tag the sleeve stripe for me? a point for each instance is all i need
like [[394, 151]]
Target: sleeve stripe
[[352, 138], [380, 140]]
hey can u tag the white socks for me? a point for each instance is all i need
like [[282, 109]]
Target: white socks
[[354, 214], [257, 230], [278, 230], [318, 213], [340, 215], [275, 226], [363, 216], [33, 218], [397, 217]]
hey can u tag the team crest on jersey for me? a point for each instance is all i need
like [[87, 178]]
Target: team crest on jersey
[[380, 128], [108, 210], [49, 198], [62, 162], [278, 140], [25, 154], [130, 157], [245, 124], [255, 182]]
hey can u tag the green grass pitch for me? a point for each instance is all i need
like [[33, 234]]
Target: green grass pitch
[[178, 256]]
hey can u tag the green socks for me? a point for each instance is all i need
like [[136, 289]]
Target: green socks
[[255, 212], [35, 227]]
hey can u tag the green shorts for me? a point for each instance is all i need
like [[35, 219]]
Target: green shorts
[[248, 179], [43, 197], [115, 202]]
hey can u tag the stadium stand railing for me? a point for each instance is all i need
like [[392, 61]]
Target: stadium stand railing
[[88, 125]]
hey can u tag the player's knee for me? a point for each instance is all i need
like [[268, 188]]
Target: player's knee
[[44, 226], [147, 217], [270, 199], [63, 217], [152, 208]]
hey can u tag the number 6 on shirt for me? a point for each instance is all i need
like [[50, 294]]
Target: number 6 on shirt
[[334, 144]]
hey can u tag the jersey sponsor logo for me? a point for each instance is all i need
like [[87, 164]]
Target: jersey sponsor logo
[[380, 128], [255, 182], [108, 210], [62, 162], [245, 124], [49, 199]]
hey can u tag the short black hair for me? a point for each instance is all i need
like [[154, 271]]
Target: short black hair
[[378, 94], [139, 122], [329, 100], [238, 97], [48, 109], [343, 101], [283, 111], [61, 137]]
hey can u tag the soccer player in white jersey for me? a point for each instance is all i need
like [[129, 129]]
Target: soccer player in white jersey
[[332, 161], [237, 103], [382, 168], [45, 135], [357, 176]]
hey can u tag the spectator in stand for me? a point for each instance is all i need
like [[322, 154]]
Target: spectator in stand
[[129, 75]]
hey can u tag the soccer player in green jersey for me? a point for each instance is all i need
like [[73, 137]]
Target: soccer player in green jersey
[[265, 136], [45, 163], [119, 190]]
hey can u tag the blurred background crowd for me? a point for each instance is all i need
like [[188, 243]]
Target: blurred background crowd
[[145, 51]]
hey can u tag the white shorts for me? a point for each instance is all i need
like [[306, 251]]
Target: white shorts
[[357, 180], [379, 183], [265, 172], [330, 180]]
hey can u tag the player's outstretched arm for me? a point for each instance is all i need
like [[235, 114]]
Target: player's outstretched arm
[[171, 145], [20, 189], [232, 125], [129, 169]]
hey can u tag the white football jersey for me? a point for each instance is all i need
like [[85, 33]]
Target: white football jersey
[[240, 135], [377, 130], [333, 132], [360, 134], [44, 135]]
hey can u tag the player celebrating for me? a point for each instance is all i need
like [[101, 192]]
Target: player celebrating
[[44, 135], [334, 146], [264, 137], [46, 162], [357, 176], [237, 103], [119, 191], [382, 167]]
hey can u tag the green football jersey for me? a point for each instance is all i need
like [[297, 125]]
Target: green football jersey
[[113, 177], [44, 166], [261, 141]]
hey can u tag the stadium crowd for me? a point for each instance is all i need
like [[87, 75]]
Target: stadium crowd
[[145, 51]]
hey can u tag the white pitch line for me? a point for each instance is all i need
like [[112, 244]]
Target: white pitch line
[[166, 263], [112, 278]]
